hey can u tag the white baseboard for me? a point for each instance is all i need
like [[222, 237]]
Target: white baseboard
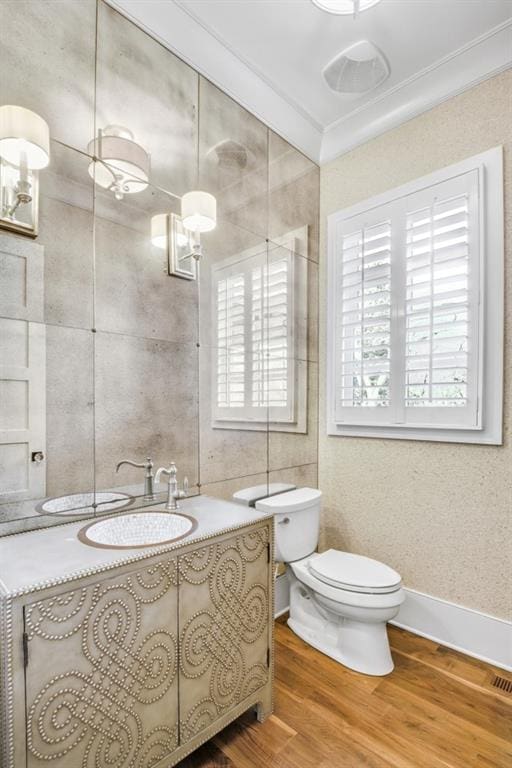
[[463, 629]]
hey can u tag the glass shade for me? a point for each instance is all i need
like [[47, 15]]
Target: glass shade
[[345, 7], [199, 211], [160, 230], [24, 137], [124, 164]]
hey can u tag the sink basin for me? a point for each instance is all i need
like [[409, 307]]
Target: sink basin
[[81, 503], [137, 529]]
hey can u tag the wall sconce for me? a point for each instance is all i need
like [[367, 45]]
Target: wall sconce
[[199, 211], [181, 236], [168, 233], [198, 214], [120, 164], [24, 150]]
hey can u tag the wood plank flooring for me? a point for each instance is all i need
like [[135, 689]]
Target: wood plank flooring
[[437, 709]]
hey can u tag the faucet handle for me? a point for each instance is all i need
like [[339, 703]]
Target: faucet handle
[[185, 486], [170, 470]]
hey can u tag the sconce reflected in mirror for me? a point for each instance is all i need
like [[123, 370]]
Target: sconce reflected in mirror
[[24, 150], [119, 164], [181, 235], [168, 233]]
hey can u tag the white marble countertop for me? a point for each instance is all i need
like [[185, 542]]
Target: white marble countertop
[[44, 557]]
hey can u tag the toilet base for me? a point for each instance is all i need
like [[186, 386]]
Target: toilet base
[[359, 645]]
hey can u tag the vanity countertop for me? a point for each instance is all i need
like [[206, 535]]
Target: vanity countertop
[[38, 559]]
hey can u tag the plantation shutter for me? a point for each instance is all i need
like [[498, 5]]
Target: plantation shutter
[[363, 314], [407, 314], [255, 332], [230, 302], [442, 304]]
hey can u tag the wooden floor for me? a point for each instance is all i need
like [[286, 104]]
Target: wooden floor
[[437, 709]]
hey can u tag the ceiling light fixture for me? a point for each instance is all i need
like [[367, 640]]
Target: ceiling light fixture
[[345, 7], [120, 164], [358, 69]]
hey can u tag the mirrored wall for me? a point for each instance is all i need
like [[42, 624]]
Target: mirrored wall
[[105, 356]]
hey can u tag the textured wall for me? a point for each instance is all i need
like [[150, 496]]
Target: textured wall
[[441, 514]]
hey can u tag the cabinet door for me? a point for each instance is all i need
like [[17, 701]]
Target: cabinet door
[[223, 618], [101, 679]]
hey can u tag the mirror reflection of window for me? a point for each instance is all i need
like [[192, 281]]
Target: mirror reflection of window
[[257, 298]]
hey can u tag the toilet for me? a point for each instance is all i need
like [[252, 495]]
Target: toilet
[[339, 602]]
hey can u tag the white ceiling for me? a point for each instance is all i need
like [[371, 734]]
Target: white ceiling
[[269, 55]]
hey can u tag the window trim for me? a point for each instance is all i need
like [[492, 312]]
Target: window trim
[[489, 165]]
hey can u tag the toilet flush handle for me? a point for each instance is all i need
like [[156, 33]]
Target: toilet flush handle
[[284, 521]]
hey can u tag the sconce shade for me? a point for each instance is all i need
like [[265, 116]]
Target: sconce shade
[[199, 211], [159, 230], [124, 164], [24, 136]]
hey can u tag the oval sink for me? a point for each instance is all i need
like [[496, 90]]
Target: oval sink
[[81, 503], [137, 529]]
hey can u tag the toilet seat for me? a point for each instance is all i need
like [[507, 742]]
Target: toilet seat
[[354, 573]]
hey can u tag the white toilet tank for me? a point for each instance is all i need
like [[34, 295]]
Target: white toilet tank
[[249, 496], [296, 522]]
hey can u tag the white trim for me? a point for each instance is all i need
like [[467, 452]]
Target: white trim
[[466, 630], [184, 33], [491, 163], [194, 43], [477, 61]]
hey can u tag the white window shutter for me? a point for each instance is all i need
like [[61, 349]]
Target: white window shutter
[[442, 304], [415, 309], [230, 303], [255, 351], [363, 317]]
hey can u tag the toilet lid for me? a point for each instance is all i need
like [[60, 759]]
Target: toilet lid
[[354, 572]]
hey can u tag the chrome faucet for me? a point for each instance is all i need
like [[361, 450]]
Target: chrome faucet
[[149, 492], [173, 491]]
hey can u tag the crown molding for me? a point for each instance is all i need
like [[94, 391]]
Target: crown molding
[[194, 43], [180, 30], [301, 109], [478, 60]]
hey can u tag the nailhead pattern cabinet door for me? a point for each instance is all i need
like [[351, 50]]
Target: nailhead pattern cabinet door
[[223, 620], [102, 687]]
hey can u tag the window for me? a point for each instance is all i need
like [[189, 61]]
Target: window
[[415, 309], [258, 375]]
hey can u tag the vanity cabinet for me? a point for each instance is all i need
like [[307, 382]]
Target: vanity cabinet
[[139, 665], [101, 678]]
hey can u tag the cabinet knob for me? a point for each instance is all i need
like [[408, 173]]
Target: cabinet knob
[[37, 456]]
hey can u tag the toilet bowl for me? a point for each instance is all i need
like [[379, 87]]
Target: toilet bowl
[[339, 602], [346, 621]]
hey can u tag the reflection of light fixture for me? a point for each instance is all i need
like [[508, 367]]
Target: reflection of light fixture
[[199, 211], [120, 164], [345, 7], [24, 150], [198, 214], [160, 232], [183, 247]]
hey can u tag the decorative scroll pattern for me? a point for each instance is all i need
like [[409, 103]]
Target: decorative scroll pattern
[[224, 606], [115, 705]]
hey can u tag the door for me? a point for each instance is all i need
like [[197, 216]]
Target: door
[[22, 370], [101, 678], [223, 619]]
